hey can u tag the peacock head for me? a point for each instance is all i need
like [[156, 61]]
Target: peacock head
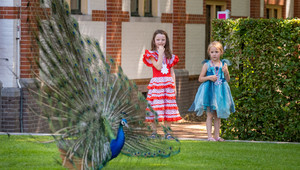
[[124, 123]]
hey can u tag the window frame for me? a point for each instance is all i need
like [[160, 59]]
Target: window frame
[[148, 14], [141, 8], [213, 14], [272, 8], [136, 12], [76, 11]]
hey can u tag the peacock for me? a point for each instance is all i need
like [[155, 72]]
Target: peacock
[[87, 99]]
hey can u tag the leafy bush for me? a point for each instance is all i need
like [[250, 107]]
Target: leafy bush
[[265, 77]]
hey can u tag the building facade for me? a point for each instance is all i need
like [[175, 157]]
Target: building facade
[[124, 29]]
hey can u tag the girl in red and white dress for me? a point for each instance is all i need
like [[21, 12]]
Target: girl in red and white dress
[[162, 87]]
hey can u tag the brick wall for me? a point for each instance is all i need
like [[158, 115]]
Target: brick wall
[[10, 98], [255, 8], [115, 17], [297, 8], [10, 110]]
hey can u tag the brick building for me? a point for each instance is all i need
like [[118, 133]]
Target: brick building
[[124, 29]]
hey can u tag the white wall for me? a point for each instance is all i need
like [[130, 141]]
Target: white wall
[[136, 38], [8, 2], [165, 6], [8, 54], [94, 30], [126, 5], [194, 7], [96, 5], [240, 8], [195, 48]]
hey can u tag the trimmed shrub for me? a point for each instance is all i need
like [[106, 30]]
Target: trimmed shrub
[[265, 77]]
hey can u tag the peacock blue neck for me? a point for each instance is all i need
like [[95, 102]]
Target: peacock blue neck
[[117, 144]]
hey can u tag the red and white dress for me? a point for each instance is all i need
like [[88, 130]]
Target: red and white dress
[[161, 90]]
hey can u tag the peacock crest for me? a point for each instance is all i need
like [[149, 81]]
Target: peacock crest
[[86, 101]]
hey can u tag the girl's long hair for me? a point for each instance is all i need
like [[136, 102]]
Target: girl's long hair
[[168, 52]]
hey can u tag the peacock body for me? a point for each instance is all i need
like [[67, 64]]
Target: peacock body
[[83, 98]]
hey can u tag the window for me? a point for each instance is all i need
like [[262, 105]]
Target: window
[[273, 11], [141, 8], [212, 9], [75, 6], [134, 6], [148, 8]]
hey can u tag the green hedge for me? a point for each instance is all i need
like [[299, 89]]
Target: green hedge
[[265, 77]]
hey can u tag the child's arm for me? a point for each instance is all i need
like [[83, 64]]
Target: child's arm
[[174, 78], [203, 77], [226, 72], [158, 64]]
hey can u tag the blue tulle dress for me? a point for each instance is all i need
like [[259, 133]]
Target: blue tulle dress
[[214, 96]]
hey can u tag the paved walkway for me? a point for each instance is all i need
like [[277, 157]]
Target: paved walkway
[[191, 130]]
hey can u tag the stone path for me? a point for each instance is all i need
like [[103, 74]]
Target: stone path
[[188, 130]]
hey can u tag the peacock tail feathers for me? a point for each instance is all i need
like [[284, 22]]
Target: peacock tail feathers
[[81, 94]]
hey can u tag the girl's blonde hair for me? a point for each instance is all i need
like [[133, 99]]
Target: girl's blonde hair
[[216, 44]]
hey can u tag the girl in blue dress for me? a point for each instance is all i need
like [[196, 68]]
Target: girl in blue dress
[[214, 95]]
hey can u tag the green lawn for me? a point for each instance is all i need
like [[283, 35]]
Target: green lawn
[[23, 152]]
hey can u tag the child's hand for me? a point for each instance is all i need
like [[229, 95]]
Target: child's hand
[[213, 78], [161, 49], [225, 69]]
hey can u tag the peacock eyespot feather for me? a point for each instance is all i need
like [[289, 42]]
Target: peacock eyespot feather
[[81, 42], [95, 79], [75, 25], [89, 59], [94, 55], [97, 43], [78, 50], [86, 69], [88, 41], [67, 12]]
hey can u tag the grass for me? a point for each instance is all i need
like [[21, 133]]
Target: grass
[[23, 152]]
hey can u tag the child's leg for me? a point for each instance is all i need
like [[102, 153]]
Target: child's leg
[[217, 123], [168, 124], [209, 119], [154, 128], [168, 135]]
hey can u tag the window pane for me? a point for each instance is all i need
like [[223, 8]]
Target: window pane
[[275, 13], [134, 7], [148, 8], [218, 8], [76, 6], [268, 13]]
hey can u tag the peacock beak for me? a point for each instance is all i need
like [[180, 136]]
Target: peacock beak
[[126, 125]]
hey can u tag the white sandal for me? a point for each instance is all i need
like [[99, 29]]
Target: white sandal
[[220, 139], [211, 139]]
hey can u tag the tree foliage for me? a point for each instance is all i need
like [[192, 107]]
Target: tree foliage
[[265, 77]]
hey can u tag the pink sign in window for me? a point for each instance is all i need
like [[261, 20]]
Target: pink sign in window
[[222, 16]]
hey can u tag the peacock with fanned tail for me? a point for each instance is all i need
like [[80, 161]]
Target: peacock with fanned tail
[[97, 111]]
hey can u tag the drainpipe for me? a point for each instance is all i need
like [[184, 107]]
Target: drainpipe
[[18, 66]]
